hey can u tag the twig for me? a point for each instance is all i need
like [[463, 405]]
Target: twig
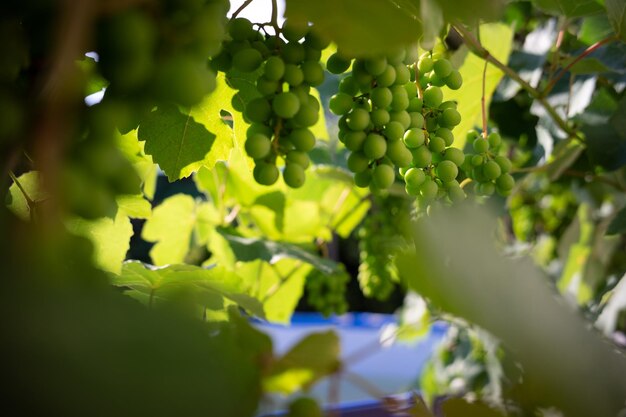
[[586, 52], [363, 384], [482, 101], [557, 47], [240, 9], [274, 17]]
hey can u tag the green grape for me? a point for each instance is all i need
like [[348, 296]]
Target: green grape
[[247, 60], [240, 29], [477, 160], [436, 144], [425, 64], [265, 174], [258, 110], [266, 87], [449, 104], [411, 90], [399, 154], [401, 117], [358, 162], [433, 97], [414, 177], [505, 183], [286, 105], [415, 104], [491, 170], [387, 78], [456, 194], [381, 97], [431, 124], [383, 176], [274, 68], [455, 155], [376, 66], [304, 407], [258, 146], [259, 128], [293, 53], [303, 139], [375, 146], [503, 162], [349, 86], [380, 117], [447, 171], [400, 98], [421, 157], [486, 188], [450, 117], [393, 131], [337, 64], [494, 140], [312, 54], [354, 140], [428, 189], [294, 30], [471, 136], [313, 73], [436, 81], [454, 81], [358, 119], [316, 39], [414, 138], [299, 158], [417, 120], [307, 116], [293, 75], [442, 68], [293, 174], [446, 134], [480, 145], [363, 179], [403, 75]]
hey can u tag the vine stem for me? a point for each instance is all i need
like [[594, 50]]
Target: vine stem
[[557, 47], [29, 201], [478, 50], [583, 54], [274, 18], [482, 100], [241, 8]]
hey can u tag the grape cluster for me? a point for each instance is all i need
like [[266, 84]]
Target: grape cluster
[[326, 293], [389, 119], [382, 234], [486, 166], [284, 109]]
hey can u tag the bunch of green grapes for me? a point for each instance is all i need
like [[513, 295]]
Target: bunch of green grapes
[[487, 167], [393, 116], [148, 58], [284, 110], [382, 234], [326, 292]]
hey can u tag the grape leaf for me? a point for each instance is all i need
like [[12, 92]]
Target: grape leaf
[[470, 12], [616, 10], [594, 29], [110, 238], [16, 201], [358, 27], [432, 18], [176, 141], [497, 40], [312, 358], [134, 206], [570, 8]]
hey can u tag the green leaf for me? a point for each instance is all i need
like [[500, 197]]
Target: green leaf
[[594, 29], [586, 66], [470, 12], [616, 10], [170, 226], [250, 249], [496, 38], [134, 206], [312, 358], [358, 27], [571, 8], [566, 155], [110, 238], [16, 201], [513, 301], [432, 18], [618, 224], [176, 141]]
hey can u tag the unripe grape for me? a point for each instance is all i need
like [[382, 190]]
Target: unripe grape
[[293, 53], [337, 64], [240, 29], [293, 75], [247, 60], [316, 39], [340, 103], [307, 116], [480, 145], [491, 170], [293, 174], [311, 54], [313, 73], [413, 138], [403, 75], [303, 139], [387, 78], [504, 162], [381, 97], [442, 68], [454, 81], [358, 162], [429, 189], [505, 183], [494, 140], [258, 110], [401, 117], [395, 56], [433, 97], [455, 155], [294, 30], [286, 105], [258, 146], [414, 177], [299, 158], [393, 131], [354, 140], [485, 188], [266, 87], [358, 119], [425, 64], [415, 104], [436, 81], [376, 66], [375, 146], [380, 117], [349, 86], [383, 176], [399, 154], [456, 194], [447, 171], [477, 160], [446, 134], [417, 120], [274, 68], [265, 174], [421, 157], [259, 128], [471, 135], [411, 90], [436, 144], [450, 117], [400, 98], [362, 179]]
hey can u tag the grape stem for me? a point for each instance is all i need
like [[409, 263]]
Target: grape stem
[[29, 201], [241, 8], [557, 47], [482, 101], [586, 52], [274, 18], [464, 183], [477, 49]]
